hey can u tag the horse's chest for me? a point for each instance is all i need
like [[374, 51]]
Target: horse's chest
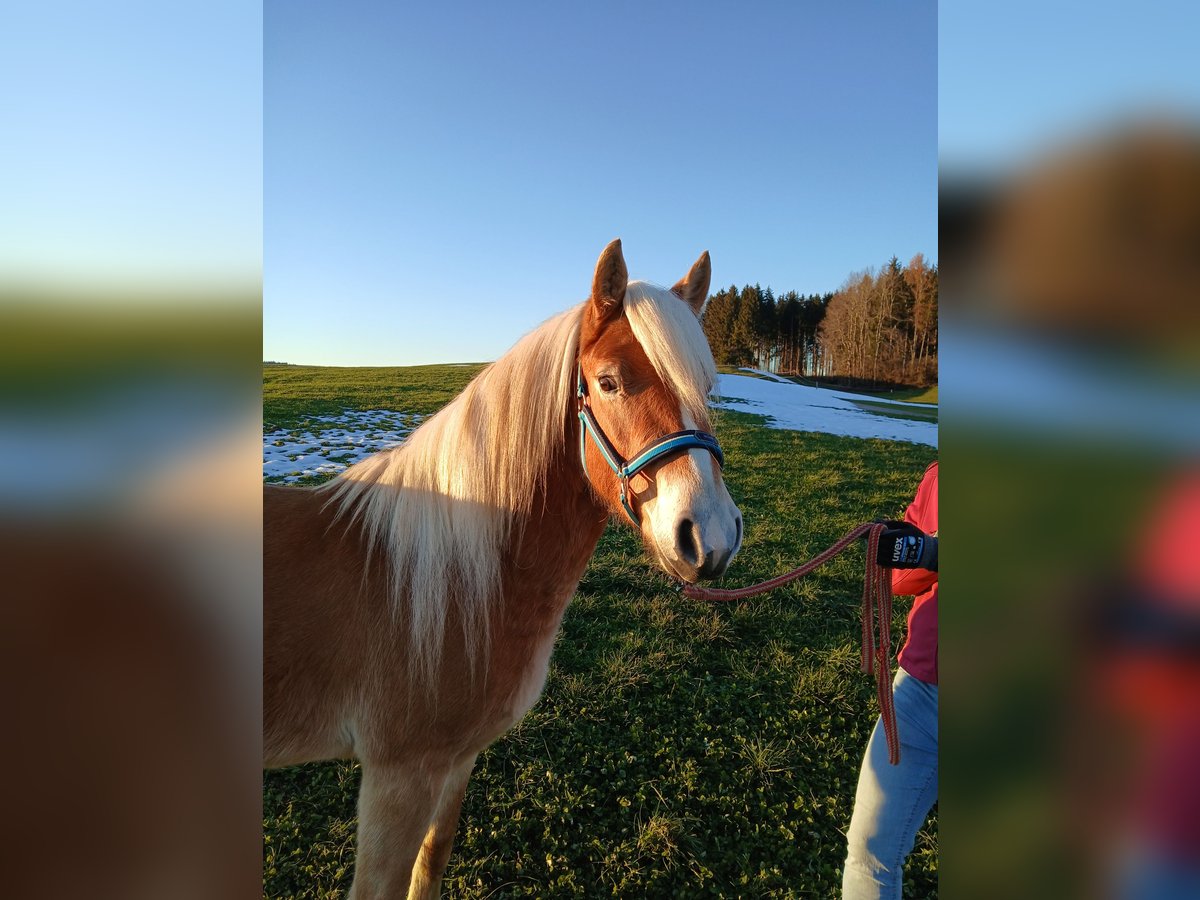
[[526, 676], [529, 688], [524, 640]]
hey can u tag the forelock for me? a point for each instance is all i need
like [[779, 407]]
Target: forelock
[[673, 340]]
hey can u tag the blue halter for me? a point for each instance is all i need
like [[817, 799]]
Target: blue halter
[[670, 445]]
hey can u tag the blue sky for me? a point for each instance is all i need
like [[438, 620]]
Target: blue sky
[[133, 143], [1018, 77], [440, 178]]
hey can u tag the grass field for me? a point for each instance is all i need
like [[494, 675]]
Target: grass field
[[926, 413], [913, 395], [680, 749]]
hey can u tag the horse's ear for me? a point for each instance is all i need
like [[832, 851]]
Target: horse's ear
[[610, 281], [693, 287]]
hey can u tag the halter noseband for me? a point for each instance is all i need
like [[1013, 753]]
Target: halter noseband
[[670, 445]]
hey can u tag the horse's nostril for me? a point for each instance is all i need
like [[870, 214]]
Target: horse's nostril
[[737, 541], [687, 543]]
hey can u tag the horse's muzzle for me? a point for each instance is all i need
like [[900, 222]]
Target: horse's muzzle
[[704, 553]]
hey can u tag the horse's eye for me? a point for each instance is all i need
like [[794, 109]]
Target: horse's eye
[[607, 383]]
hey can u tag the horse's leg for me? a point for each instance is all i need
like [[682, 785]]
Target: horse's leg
[[435, 851], [395, 806]]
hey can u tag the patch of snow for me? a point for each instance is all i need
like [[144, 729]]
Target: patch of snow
[[800, 408], [327, 445]]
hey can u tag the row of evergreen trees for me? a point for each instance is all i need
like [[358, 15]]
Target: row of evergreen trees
[[751, 327], [877, 327]]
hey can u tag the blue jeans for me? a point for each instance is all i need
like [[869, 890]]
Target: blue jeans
[[892, 801]]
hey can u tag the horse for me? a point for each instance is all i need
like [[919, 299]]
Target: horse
[[411, 604]]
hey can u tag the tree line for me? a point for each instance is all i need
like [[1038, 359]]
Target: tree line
[[878, 327]]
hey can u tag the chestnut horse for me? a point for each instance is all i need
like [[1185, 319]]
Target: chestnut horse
[[411, 604]]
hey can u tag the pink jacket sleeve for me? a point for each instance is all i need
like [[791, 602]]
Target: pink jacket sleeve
[[922, 512]]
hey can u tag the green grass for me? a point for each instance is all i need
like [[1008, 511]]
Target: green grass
[[680, 749], [735, 370], [892, 411], [913, 395], [291, 393]]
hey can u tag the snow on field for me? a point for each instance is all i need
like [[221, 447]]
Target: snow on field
[[326, 445], [800, 408]]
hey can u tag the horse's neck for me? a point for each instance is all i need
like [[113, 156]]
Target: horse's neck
[[549, 553]]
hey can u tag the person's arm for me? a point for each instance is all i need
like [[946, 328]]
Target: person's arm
[[911, 554], [902, 545], [914, 568]]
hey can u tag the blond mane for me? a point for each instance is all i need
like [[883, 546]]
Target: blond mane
[[671, 335], [443, 505]]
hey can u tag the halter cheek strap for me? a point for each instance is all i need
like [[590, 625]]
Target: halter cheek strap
[[670, 445]]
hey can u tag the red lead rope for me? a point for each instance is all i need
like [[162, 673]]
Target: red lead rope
[[876, 617]]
